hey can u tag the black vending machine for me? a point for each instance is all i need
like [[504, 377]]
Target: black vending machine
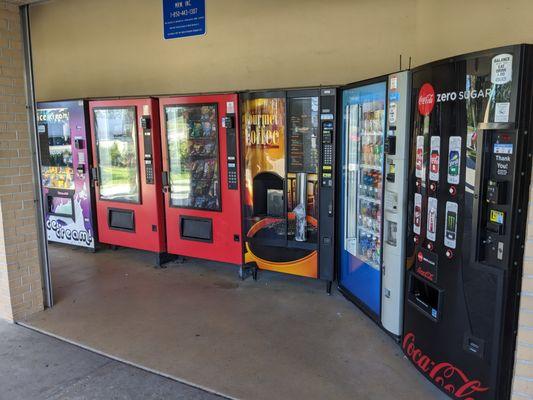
[[467, 205]]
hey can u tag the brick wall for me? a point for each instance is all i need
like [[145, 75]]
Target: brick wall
[[20, 273]]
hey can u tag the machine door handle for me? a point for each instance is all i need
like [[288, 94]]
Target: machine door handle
[[164, 181], [94, 175]]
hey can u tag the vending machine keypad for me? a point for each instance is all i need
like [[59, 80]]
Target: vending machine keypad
[[327, 153], [327, 181], [231, 151], [148, 152]]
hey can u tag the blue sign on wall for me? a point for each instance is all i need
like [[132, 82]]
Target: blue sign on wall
[[182, 18]]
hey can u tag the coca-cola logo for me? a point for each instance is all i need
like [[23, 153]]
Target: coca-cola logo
[[453, 380], [426, 274], [426, 99]]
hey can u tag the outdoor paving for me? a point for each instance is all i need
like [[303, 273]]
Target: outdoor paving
[[34, 366]]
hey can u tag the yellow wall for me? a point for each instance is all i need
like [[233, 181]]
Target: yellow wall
[[115, 47]]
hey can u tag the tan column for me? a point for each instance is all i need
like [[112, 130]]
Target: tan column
[[523, 372], [21, 291]]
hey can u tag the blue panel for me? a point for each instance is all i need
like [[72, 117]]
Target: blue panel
[[182, 18], [359, 276]]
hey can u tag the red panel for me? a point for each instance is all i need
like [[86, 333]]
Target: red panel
[[227, 222], [149, 219]]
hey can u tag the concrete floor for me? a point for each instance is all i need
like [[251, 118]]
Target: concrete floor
[[36, 366], [281, 337]]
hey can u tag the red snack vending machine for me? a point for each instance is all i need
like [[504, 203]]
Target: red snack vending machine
[[127, 173], [200, 177]]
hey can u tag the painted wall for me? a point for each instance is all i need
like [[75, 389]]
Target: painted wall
[[116, 47]]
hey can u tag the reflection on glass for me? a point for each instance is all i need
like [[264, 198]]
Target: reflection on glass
[[192, 137], [116, 141], [56, 150], [364, 133]]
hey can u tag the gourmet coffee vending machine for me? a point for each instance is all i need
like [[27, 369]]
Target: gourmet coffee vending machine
[[288, 142], [127, 174], [64, 145], [373, 196], [467, 204]]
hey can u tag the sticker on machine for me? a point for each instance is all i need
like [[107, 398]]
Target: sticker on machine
[[393, 113], [417, 221], [502, 69], [230, 107], [393, 85], [434, 158], [432, 219], [501, 112], [450, 227], [419, 168], [454, 160]]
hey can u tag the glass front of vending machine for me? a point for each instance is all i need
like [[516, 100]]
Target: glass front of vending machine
[[362, 193]]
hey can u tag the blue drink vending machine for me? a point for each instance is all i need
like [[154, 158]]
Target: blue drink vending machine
[[372, 199]]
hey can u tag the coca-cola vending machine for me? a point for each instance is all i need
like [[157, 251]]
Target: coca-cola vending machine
[[467, 203]]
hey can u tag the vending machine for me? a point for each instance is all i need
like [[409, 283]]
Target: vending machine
[[467, 203], [372, 196], [127, 174], [65, 161], [288, 142], [201, 177]]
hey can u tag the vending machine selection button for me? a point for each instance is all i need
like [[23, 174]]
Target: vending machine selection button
[[453, 190]]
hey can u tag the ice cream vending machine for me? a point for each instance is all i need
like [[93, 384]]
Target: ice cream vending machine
[[467, 203], [201, 176], [127, 174], [372, 196], [288, 142], [64, 145]]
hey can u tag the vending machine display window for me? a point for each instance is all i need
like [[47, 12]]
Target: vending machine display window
[[302, 177], [192, 139], [364, 152], [118, 164], [362, 193], [56, 148]]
